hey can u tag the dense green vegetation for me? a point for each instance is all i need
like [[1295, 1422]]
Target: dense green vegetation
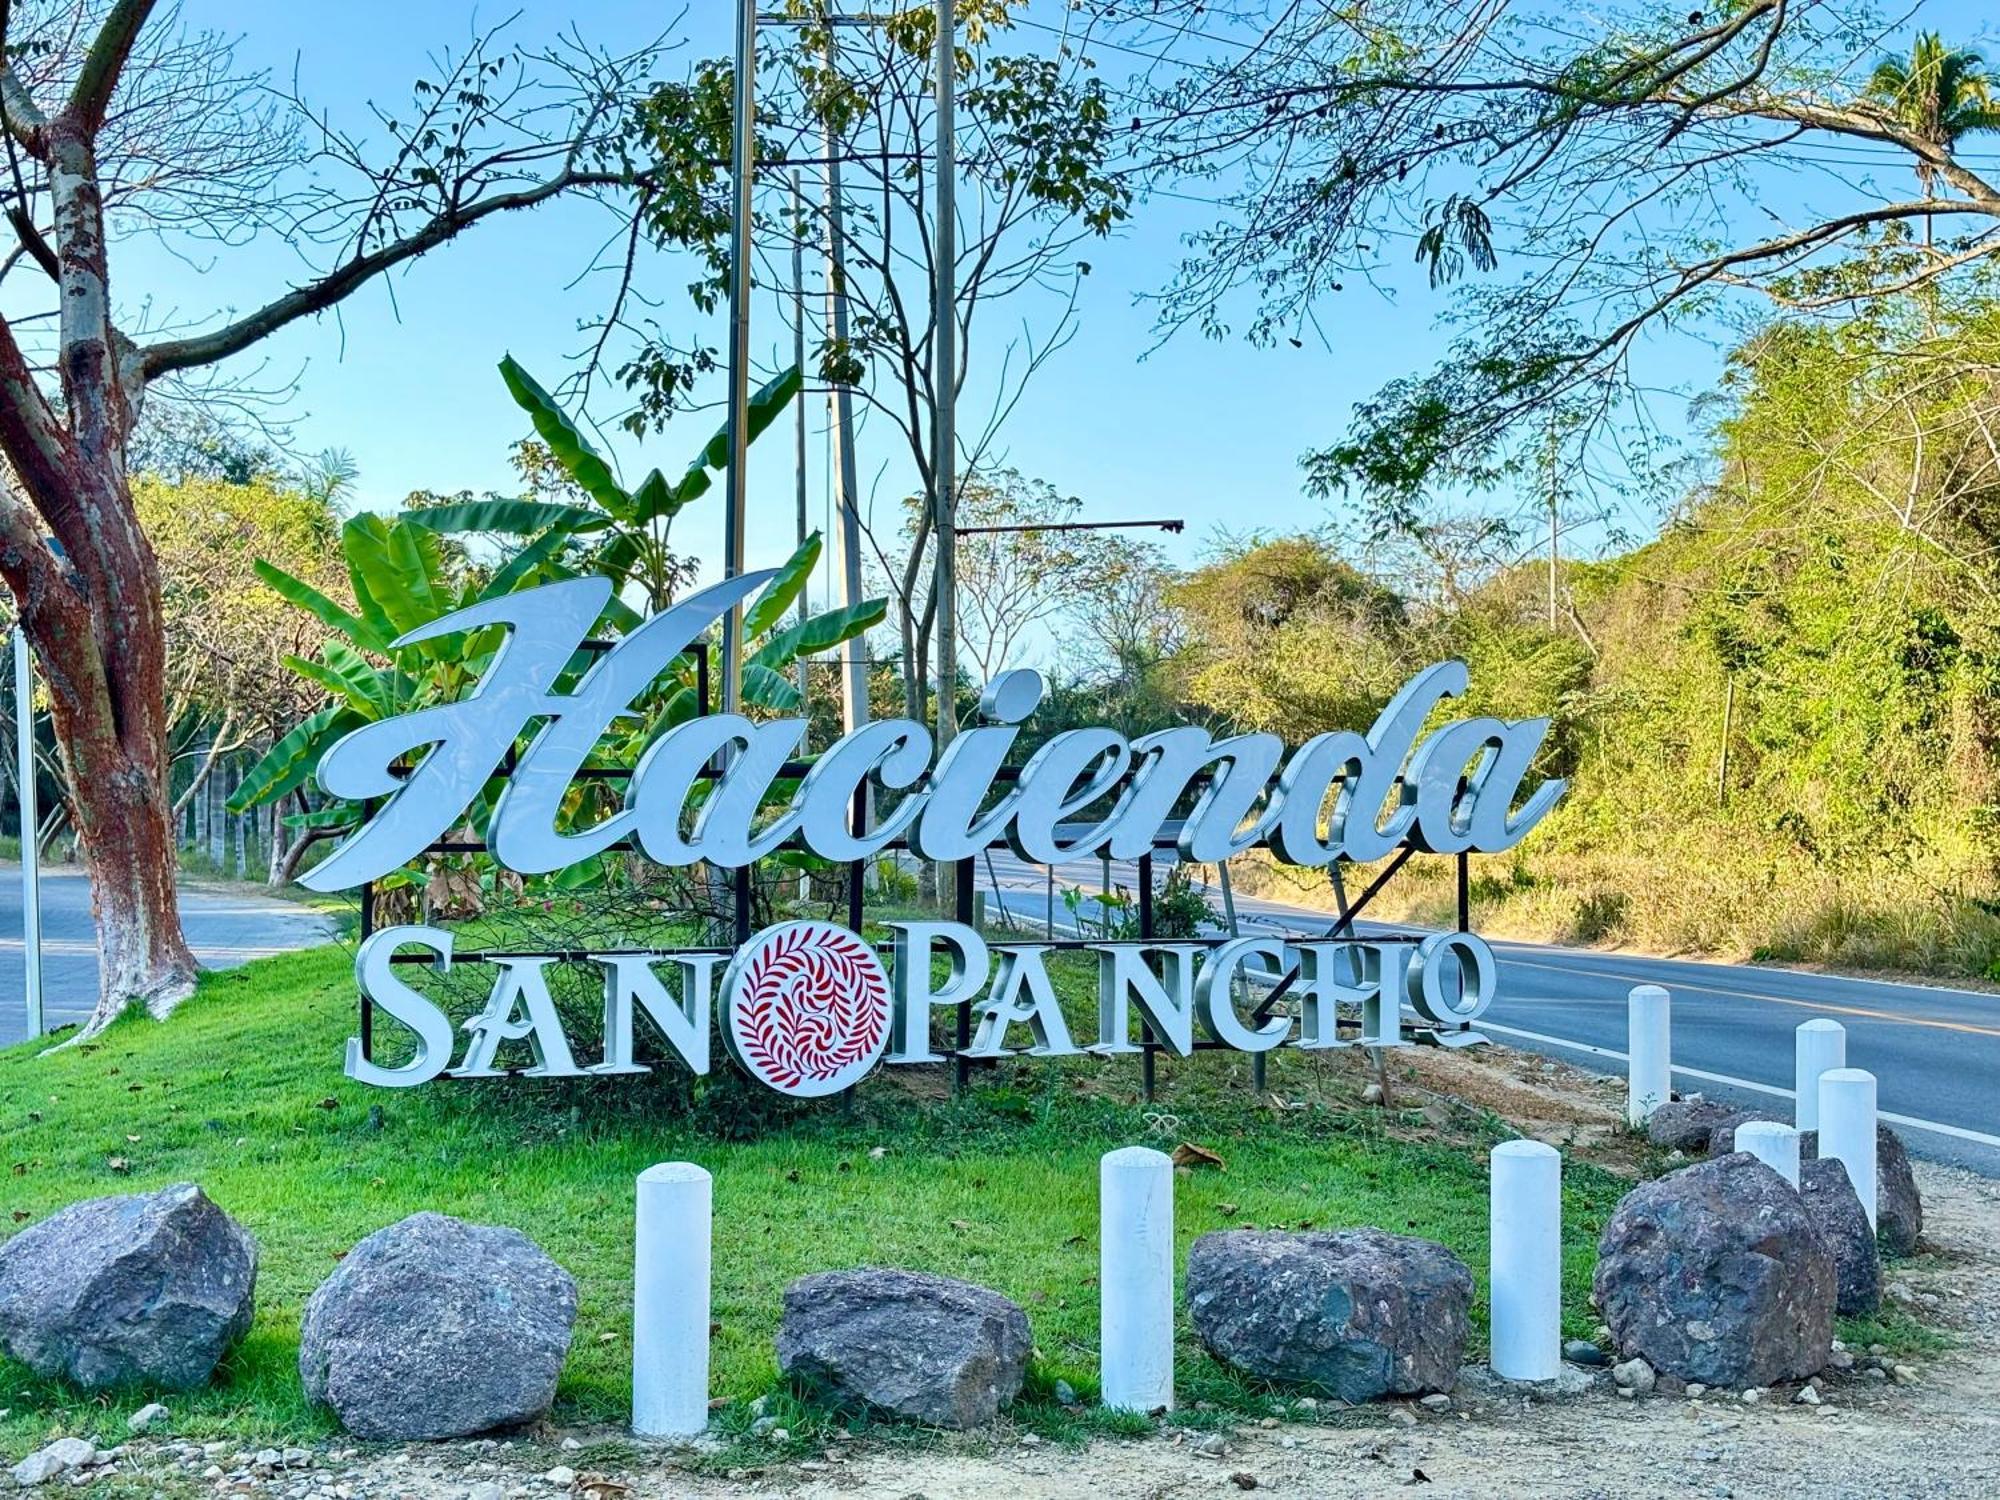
[[1779, 716]]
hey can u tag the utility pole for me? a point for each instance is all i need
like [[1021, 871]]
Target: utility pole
[[840, 402], [743, 165], [799, 361], [1555, 518], [944, 361]]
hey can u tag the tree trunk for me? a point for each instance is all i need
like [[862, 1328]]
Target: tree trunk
[[114, 746]]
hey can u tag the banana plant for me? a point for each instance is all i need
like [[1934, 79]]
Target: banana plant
[[626, 531], [402, 578]]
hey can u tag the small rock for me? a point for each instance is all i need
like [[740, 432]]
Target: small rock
[[1213, 1445], [1583, 1352], [62, 1455], [1807, 1396], [1840, 1359], [1903, 1374], [570, 1445], [1243, 1480], [1268, 1422], [1403, 1415], [1065, 1393], [781, 1434], [763, 1426], [1307, 1403], [486, 1489], [1372, 1094], [1634, 1375], [1753, 1395], [145, 1417], [268, 1458], [1874, 1372], [1696, 1390], [562, 1476]]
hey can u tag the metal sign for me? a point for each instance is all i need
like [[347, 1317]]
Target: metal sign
[[1453, 791], [810, 1007]]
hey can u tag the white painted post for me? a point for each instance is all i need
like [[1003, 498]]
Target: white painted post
[[1526, 1263], [670, 1301], [1136, 1278], [1775, 1145], [31, 821], [1821, 1046], [1649, 1047], [1847, 1128]]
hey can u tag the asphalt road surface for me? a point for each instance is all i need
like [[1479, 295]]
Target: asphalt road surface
[[227, 926], [1935, 1051]]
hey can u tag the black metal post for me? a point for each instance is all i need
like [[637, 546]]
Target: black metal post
[[1464, 892], [961, 883], [367, 1005], [1148, 1048]]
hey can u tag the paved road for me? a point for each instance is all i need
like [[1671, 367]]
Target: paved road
[[227, 925], [1935, 1051]]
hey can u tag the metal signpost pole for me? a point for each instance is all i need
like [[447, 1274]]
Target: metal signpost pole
[[799, 360], [31, 870], [743, 165], [847, 485], [944, 363]]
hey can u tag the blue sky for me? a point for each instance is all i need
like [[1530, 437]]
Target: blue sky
[[1208, 431]]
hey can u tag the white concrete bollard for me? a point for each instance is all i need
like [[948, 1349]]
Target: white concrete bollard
[[670, 1301], [1775, 1145], [1847, 1128], [1526, 1263], [1136, 1278], [1649, 1051], [1821, 1046]]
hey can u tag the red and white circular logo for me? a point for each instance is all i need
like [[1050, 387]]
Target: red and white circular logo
[[806, 1008]]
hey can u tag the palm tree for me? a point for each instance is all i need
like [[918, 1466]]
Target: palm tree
[[1940, 94]]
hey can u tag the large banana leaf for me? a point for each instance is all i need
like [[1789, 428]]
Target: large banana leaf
[[313, 602], [566, 441], [514, 517], [286, 764], [339, 815], [783, 591], [822, 632], [359, 690], [655, 499], [765, 688], [529, 561], [766, 402]]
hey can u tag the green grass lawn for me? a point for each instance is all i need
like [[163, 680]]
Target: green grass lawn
[[242, 1092]]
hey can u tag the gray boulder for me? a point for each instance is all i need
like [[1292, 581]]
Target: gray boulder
[[1716, 1274], [1899, 1208], [1354, 1312], [147, 1289], [1836, 1213], [1686, 1124], [918, 1346], [435, 1328]]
